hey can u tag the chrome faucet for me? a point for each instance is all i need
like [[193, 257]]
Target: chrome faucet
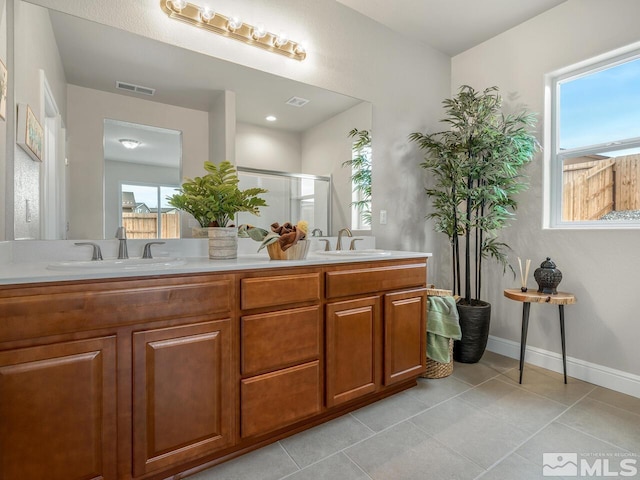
[[147, 249], [97, 254], [316, 230], [121, 235], [344, 230]]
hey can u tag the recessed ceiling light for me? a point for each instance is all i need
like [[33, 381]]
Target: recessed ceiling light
[[270, 118], [129, 143]]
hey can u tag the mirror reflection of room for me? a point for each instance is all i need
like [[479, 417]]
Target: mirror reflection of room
[[216, 105], [142, 166]]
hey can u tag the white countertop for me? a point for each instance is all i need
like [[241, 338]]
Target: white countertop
[[16, 269]]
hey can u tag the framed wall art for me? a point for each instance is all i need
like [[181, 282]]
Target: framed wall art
[[30, 135]]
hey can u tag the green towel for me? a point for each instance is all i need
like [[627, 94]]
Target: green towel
[[442, 324]]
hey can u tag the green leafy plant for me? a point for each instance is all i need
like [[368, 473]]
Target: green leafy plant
[[477, 171], [214, 199], [360, 165]]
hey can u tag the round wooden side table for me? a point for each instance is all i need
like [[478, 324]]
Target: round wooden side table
[[532, 296]]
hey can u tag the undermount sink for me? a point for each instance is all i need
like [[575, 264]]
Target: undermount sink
[[370, 252], [119, 264]]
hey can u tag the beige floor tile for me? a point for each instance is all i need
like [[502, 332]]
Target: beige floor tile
[[317, 443], [549, 384], [335, 467], [620, 400], [557, 437], [473, 373], [470, 431], [615, 425], [498, 362], [404, 452], [268, 463], [514, 467], [515, 405], [387, 412], [432, 391]]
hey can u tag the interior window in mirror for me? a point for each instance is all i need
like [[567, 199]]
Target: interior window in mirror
[[146, 212]]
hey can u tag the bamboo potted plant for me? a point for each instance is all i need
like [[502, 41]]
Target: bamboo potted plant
[[477, 169], [213, 200]]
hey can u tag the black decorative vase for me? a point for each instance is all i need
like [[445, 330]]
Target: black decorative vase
[[548, 277], [474, 323]]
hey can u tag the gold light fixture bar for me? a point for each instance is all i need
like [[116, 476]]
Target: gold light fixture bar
[[199, 16]]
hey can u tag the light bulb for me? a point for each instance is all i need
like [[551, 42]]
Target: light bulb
[[179, 4], [299, 49], [206, 14], [258, 31], [129, 143], [234, 23], [281, 39]]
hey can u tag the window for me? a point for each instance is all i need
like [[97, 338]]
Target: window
[[141, 216], [595, 145], [360, 164]]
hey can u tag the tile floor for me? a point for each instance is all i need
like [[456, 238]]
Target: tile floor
[[477, 423]]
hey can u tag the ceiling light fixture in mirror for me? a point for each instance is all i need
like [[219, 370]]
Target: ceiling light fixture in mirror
[[233, 27]]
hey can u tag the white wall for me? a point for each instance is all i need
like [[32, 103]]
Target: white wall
[[35, 41], [222, 128], [347, 53], [86, 125], [600, 267], [267, 148], [3, 126], [325, 147]]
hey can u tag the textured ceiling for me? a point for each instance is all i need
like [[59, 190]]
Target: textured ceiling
[[451, 26]]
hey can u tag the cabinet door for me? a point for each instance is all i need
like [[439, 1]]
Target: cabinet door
[[58, 411], [280, 398], [353, 349], [405, 335], [182, 406]]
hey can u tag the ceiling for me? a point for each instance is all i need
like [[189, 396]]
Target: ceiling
[[451, 26], [96, 56]]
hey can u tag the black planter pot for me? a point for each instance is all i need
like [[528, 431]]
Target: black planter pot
[[474, 323]]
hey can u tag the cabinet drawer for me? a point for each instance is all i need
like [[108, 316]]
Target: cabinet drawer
[[279, 290], [51, 310], [280, 398], [279, 339], [343, 283]]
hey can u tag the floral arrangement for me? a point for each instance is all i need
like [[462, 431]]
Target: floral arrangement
[[287, 234]]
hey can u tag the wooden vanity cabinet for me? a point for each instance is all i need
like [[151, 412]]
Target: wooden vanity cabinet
[[372, 332], [280, 350], [182, 402], [149, 378], [58, 411]]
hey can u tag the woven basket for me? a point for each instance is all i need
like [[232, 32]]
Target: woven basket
[[437, 369]]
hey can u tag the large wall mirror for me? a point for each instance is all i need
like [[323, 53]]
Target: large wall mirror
[[88, 83]]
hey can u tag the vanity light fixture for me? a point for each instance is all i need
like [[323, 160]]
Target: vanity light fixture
[[232, 27], [129, 143]]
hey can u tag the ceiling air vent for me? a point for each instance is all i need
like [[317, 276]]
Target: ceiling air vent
[[129, 87], [297, 102]]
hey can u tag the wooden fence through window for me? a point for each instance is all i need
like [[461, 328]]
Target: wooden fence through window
[[145, 225], [594, 188]]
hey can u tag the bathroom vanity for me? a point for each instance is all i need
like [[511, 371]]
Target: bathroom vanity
[[159, 375]]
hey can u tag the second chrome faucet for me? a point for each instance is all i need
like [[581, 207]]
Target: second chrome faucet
[[121, 235]]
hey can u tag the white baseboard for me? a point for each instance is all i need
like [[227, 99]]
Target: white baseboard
[[589, 372]]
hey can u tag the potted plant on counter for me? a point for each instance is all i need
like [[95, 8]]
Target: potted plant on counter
[[213, 200], [477, 172]]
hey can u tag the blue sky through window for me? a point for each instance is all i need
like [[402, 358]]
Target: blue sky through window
[[601, 107]]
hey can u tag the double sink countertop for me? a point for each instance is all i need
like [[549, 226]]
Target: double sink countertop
[[36, 261]]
